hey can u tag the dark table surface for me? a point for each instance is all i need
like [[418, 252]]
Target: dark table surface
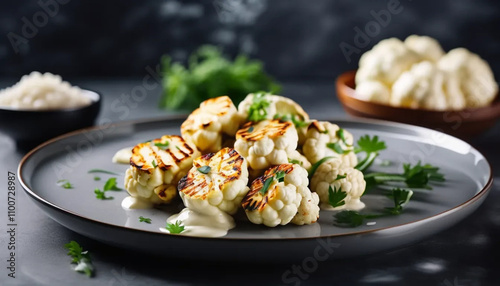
[[466, 254]]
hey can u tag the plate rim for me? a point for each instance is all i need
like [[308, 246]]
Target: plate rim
[[483, 192]]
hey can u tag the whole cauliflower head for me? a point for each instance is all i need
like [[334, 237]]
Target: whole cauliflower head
[[477, 82], [385, 62], [276, 197], [216, 182], [261, 106], [422, 86], [157, 166], [426, 47], [325, 139], [207, 125], [331, 174], [266, 143], [373, 90]]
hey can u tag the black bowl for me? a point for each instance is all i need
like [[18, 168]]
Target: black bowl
[[28, 128]]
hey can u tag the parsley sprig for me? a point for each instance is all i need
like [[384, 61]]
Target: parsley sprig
[[175, 228], [210, 74], [418, 176], [349, 218], [80, 258], [370, 146]]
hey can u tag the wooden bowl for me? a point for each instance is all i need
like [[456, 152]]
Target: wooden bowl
[[465, 123]]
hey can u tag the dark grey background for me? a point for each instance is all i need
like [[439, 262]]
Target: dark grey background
[[296, 39]]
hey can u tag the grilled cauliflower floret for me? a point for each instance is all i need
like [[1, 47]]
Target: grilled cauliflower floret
[[323, 138], [476, 79], [275, 197], [426, 47], [207, 125], [266, 143], [385, 62], [308, 211], [260, 106], [372, 90], [217, 181], [327, 175], [157, 166], [422, 86]]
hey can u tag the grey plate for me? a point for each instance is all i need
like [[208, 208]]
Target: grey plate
[[468, 174]]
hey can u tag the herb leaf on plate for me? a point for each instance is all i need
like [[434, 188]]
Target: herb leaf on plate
[[80, 258], [175, 228], [370, 146]]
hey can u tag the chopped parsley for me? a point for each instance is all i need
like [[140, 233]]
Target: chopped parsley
[[250, 130], [97, 178], [102, 171], [266, 185], [258, 109], [80, 258], [280, 176], [315, 166], [161, 145], [204, 169], [294, 118], [144, 219], [340, 177], [295, 161], [65, 184], [337, 148], [154, 163], [340, 134], [110, 185]]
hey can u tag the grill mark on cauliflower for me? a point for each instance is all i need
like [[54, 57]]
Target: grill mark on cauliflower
[[207, 126], [158, 184], [144, 153], [284, 202], [222, 187], [273, 129], [254, 200], [269, 143]]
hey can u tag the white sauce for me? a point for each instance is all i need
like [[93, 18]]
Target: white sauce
[[202, 225], [136, 203], [123, 156]]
